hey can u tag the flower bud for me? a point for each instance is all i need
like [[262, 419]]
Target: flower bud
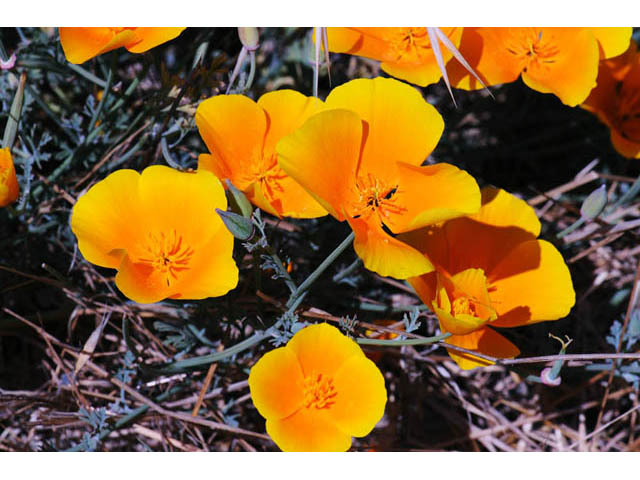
[[594, 203], [249, 37]]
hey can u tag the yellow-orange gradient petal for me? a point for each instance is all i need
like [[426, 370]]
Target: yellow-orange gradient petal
[[234, 150], [9, 189], [365, 42], [322, 156], [107, 219], [286, 111], [487, 52], [149, 37], [308, 430], [277, 384], [385, 255], [400, 124], [83, 43], [486, 341], [502, 209], [289, 199], [322, 349], [141, 282], [613, 40], [568, 67], [432, 194], [625, 147], [361, 396], [531, 284]]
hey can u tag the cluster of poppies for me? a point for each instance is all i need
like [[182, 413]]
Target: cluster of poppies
[[361, 156]]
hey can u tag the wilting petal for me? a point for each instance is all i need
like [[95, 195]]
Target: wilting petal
[[82, 43], [613, 40], [432, 194], [234, 151], [107, 219], [322, 156], [570, 73], [385, 255], [361, 396], [308, 430], [486, 341], [531, 284], [286, 111], [401, 126], [149, 37], [277, 384], [321, 348]]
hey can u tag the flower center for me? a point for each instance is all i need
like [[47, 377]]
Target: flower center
[[167, 254], [411, 44], [533, 49], [268, 174], [463, 305], [628, 112], [319, 391], [376, 197]]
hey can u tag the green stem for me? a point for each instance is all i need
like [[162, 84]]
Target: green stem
[[347, 271], [88, 75], [400, 343]]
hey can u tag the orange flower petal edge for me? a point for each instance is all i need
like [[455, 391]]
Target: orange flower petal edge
[[318, 391], [83, 43], [491, 271], [361, 159], [242, 134], [160, 230], [9, 189]]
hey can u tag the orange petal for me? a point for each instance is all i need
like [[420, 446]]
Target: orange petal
[[286, 111], [366, 42], [502, 209], [308, 430], [322, 349], [572, 73], [277, 384], [106, 220], [531, 284], [361, 396], [149, 37], [322, 156], [82, 43], [451, 192], [487, 52], [141, 282], [623, 146], [233, 127], [402, 126], [287, 199], [9, 189], [486, 341], [423, 74], [613, 40], [426, 287], [385, 255]]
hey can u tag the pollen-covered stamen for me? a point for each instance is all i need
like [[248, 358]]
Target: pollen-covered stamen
[[535, 49], [375, 197], [463, 305], [166, 253], [411, 44], [319, 391]]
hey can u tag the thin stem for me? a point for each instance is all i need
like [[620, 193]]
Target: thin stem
[[348, 270], [88, 75], [400, 343]]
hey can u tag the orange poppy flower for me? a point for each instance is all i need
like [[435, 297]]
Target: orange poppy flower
[[83, 43], [9, 189], [491, 271], [318, 391], [616, 100], [562, 61], [362, 162], [160, 230], [241, 136], [405, 52]]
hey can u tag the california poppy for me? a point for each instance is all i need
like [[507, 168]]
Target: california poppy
[[562, 61], [83, 43], [491, 271], [242, 134], [616, 100], [405, 52], [9, 189], [318, 391], [160, 230], [361, 159]]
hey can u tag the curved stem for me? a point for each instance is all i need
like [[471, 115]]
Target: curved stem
[[400, 343]]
